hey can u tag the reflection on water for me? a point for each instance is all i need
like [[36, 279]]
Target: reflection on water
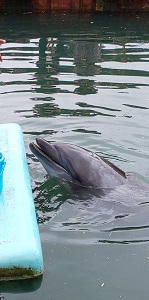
[[83, 79]]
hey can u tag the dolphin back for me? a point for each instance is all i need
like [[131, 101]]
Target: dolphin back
[[89, 169]]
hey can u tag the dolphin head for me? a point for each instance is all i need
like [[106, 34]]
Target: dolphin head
[[71, 163], [50, 158]]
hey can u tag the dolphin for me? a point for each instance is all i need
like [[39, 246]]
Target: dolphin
[[77, 165]]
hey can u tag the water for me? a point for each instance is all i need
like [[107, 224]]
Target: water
[[82, 79]]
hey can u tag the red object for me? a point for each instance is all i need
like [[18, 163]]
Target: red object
[[2, 41]]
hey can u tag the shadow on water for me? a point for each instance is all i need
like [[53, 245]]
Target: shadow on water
[[20, 286]]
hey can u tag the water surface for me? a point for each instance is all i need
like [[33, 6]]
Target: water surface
[[83, 79]]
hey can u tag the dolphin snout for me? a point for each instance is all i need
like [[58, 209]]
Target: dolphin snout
[[49, 149]]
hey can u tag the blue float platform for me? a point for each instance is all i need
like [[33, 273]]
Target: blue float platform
[[20, 247]]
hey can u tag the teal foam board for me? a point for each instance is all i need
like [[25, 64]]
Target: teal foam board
[[20, 246]]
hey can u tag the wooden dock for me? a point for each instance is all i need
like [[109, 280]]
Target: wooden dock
[[79, 5], [19, 6]]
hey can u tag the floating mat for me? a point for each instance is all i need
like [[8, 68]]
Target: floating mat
[[20, 247]]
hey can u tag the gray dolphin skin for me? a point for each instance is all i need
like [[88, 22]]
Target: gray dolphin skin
[[71, 163]]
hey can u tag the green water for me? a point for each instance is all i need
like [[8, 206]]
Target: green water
[[82, 79]]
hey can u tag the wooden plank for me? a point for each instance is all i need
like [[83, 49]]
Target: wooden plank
[[145, 4], [65, 4], [41, 5], [130, 4], [73, 4], [88, 5]]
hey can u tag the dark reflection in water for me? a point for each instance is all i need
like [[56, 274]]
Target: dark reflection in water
[[135, 106], [48, 198], [96, 106]]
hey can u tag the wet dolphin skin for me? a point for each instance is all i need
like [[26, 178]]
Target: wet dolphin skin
[[72, 163]]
